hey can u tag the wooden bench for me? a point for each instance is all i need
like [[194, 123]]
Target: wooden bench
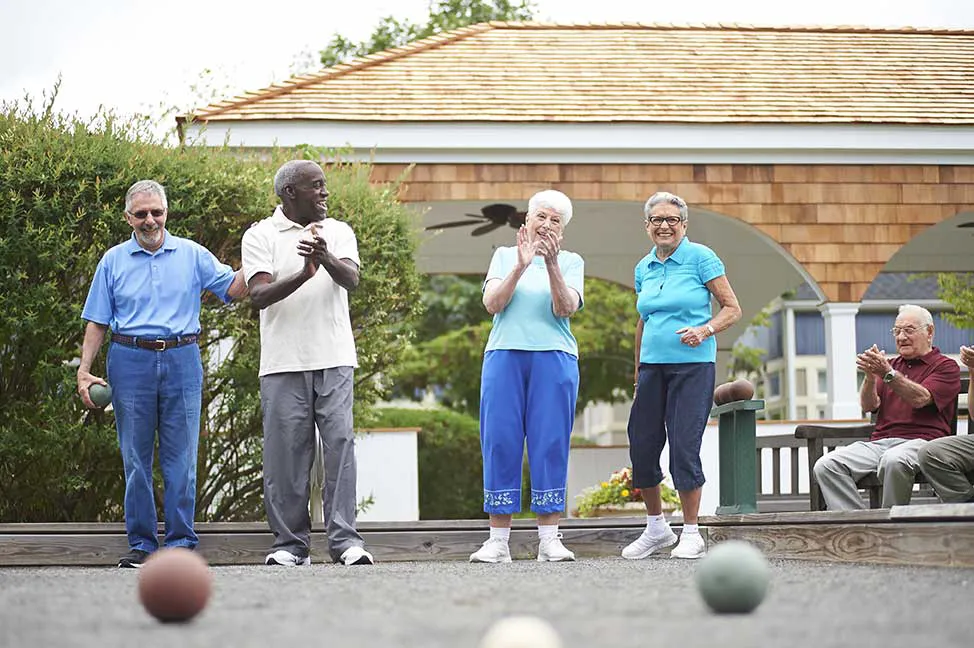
[[777, 500], [825, 438]]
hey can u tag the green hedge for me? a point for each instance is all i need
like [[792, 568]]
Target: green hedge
[[451, 476], [62, 187]]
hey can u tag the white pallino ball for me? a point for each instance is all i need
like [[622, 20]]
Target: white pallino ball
[[521, 632]]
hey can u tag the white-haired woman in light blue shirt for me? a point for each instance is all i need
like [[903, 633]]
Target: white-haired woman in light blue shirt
[[529, 381]]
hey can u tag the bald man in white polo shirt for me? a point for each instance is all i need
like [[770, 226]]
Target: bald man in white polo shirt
[[300, 265]]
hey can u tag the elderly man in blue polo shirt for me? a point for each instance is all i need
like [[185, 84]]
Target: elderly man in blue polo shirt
[[147, 291]]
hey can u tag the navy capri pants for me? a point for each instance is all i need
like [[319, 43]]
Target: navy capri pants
[[672, 403]]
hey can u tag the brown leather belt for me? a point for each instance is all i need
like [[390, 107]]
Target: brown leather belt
[[154, 343]]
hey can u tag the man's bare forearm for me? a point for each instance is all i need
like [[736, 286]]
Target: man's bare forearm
[[264, 292], [343, 271], [913, 393], [868, 395], [94, 337]]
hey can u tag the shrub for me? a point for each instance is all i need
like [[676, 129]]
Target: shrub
[[451, 476], [62, 187]]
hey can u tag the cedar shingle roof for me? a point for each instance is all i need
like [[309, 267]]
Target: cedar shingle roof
[[533, 72]]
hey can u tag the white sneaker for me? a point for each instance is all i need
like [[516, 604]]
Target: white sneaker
[[356, 555], [494, 550], [692, 545], [286, 559], [552, 550], [647, 544]]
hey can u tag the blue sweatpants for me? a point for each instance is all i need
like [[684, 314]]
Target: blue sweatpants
[[672, 402], [526, 395]]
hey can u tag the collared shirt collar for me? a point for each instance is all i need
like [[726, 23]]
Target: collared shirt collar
[[168, 243], [926, 357], [282, 222], [679, 254]]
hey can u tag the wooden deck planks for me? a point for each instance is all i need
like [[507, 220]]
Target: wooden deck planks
[[931, 535]]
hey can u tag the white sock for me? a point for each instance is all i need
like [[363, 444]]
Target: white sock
[[504, 533], [656, 525], [691, 528], [549, 531]]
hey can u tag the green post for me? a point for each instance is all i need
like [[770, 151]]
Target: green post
[[736, 424]]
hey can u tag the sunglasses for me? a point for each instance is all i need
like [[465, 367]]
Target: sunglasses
[[142, 214]]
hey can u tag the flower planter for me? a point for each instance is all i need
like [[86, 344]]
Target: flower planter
[[629, 509]]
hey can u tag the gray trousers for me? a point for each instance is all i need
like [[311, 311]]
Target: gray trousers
[[293, 403], [948, 464], [894, 461]]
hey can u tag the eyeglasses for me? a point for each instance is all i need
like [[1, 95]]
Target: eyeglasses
[[908, 330], [657, 221], [142, 214]]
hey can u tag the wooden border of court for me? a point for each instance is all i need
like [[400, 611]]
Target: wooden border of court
[[927, 535]]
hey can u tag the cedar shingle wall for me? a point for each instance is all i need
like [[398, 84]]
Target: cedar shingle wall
[[842, 223]]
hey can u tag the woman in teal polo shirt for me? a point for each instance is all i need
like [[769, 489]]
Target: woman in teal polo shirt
[[529, 381], [674, 378]]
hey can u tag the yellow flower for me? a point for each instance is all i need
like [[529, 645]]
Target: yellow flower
[[605, 484], [625, 493]]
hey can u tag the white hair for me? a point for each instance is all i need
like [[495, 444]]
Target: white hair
[[288, 174], [661, 197], [554, 200], [918, 312], [145, 186]]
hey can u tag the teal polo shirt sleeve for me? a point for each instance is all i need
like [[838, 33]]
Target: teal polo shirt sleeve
[[528, 323], [671, 295]]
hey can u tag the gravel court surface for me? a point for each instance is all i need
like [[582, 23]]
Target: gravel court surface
[[592, 603]]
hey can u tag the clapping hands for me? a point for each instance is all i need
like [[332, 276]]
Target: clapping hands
[[873, 361]]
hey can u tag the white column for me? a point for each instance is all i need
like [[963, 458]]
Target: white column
[[789, 352], [840, 360]]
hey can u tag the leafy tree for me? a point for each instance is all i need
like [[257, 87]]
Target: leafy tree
[[746, 359], [444, 15], [62, 187], [957, 289]]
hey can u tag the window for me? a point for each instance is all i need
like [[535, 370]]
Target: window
[[801, 383], [823, 382], [821, 412], [774, 384], [801, 412]]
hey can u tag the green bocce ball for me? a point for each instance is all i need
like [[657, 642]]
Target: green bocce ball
[[733, 577], [100, 395]]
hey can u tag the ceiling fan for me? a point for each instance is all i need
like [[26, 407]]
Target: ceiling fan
[[496, 215]]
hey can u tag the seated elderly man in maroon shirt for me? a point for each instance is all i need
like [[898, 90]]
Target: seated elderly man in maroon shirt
[[914, 396]]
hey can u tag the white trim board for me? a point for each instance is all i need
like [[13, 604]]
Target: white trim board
[[463, 143]]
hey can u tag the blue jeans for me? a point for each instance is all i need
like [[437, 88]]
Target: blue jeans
[[526, 395], [158, 391]]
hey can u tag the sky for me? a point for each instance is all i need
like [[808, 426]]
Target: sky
[[141, 56]]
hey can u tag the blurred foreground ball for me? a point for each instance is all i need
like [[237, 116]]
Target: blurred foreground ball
[[100, 395], [733, 577], [521, 632], [174, 584]]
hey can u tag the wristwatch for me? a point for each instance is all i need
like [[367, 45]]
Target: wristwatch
[[888, 378], [711, 329]]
